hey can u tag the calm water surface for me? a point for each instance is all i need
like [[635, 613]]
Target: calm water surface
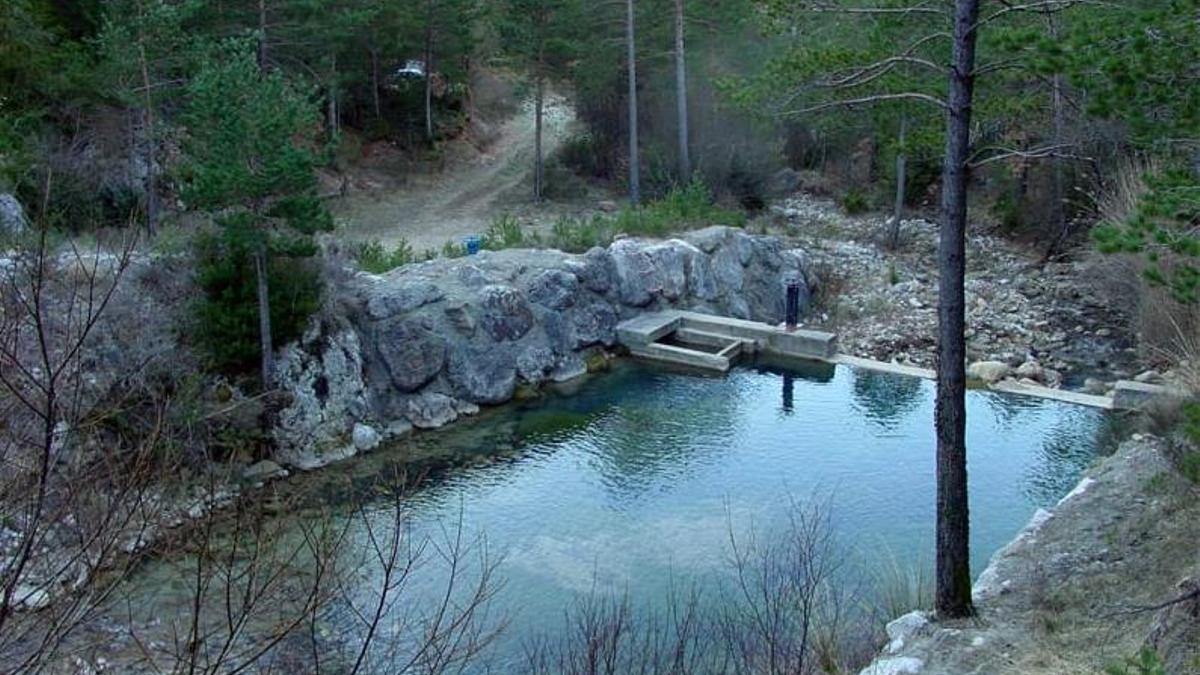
[[638, 477]]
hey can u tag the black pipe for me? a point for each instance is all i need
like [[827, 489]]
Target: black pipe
[[793, 303]]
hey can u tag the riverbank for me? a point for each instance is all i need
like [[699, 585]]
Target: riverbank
[[1082, 587]]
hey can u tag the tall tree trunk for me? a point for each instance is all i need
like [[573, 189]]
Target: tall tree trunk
[[1058, 210], [681, 95], [953, 596], [901, 187], [264, 316], [429, 72], [635, 188], [539, 106], [150, 140], [263, 51], [334, 114], [375, 98]]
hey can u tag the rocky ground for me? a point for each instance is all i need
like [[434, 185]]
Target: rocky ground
[[883, 305], [1083, 588]]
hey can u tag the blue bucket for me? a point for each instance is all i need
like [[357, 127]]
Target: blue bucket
[[472, 244]]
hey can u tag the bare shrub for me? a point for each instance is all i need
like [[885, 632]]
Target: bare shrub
[[785, 611]]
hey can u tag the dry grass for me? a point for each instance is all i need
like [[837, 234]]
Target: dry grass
[[1118, 200]]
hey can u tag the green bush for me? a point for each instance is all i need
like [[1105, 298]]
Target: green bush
[[578, 235], [374, 258], [505, 232], [854, 202], [683, 208], [1145, 663], [453, 249], [226, 315]]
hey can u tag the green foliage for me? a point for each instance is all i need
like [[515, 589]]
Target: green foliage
[[374, 258], [1145, 663], [250, 157], [854, 202], [251, 135], [506, 232], [578, 235], [681, 209], [1163, 228], [453, 249], [225, 323]]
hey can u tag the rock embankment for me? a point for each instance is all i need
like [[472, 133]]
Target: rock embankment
[[430, 342], [1082, 586]]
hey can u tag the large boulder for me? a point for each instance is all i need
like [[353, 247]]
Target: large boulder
[[506, 314], [323, 376], [412, 352], [402, 298], [553, 289], [648, 271], [485, 375]]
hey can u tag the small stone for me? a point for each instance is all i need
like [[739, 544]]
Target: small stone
[[263, 471], [1149, 377], [988, 371], [1030, 369], [365, 437]]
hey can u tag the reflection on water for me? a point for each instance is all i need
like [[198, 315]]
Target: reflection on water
[[639, 476]]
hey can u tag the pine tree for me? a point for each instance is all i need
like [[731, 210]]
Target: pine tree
[[251, 152]]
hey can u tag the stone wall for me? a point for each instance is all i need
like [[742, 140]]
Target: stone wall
[[430, 342]]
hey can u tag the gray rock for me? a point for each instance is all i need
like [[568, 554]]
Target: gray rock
[[483, 375], [553, 289], [1032, 370], [403, 298], [431, 411], [264, 471], [902, 630], [506, 315], [645, 271], [461, 318], [12, 216], [595, 324], [594, 270], [896, 665], [323, 376], [535, 363], [571, 368], [411, 351], [988, 371], [365, 437]]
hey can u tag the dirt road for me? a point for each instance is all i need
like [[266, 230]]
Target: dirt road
[[463, 195]]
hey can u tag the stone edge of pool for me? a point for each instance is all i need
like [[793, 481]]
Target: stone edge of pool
[[718, 341]]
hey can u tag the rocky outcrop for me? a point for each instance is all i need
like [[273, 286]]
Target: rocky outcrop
[[430, 342]]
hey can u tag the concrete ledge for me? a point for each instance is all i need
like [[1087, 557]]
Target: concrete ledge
[[1130, 395], [884, 367], [647, 328], [1020, 389], [682, 357]]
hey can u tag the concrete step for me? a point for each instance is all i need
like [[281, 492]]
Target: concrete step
[[682, 356]]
